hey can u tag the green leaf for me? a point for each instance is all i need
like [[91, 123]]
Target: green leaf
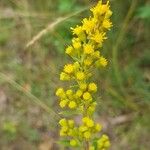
[[144, 12]]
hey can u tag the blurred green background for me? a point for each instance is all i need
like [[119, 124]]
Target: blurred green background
[[29, 73]]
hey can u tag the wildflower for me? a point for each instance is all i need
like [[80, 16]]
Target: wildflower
[[68, 68], [69, 50], [63, 103], [80, 75], [64, 76], [87, 96], [77, 30], [92, 87], [72, 105], [88, 49], [73, 143]]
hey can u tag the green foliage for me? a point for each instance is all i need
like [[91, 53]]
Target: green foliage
[[144, 12]]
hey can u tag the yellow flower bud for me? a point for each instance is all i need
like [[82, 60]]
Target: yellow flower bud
[[79, 93], [69, 50], [69, 92], [87, 96], [63, 103], [98, 127], [72, 104], [60, 92], [71, 123], [83, 86], [83, 128], [88, 49], [80, 75], [73, 143], [64, 76], [68, 68], [63, 122], [87, 135], [92, 87]]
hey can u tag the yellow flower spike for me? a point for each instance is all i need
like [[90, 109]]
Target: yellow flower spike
[[80, 75], [72, 104], [63, 103], [68, 68], [73, 143], [87, 96], [88, 49], [88, 38], [92, 87], [63, 122], [69, 50]]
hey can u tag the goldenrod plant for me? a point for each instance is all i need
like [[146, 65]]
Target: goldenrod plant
[[80, 130]]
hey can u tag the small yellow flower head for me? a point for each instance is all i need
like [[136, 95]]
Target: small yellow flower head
[[72, 104], [103, 61], [79, 93], [63, 122], [83, 86], [69, 92], [71, 123], [73, 143], [63, 103], [88, 61], [88, 25], [80, 75], [103, 142], [64, 76], [76, 43], [68, 68], [91, 148], [89, 122], [60, 92], [83, 128], [77, 30], [96, 54], [87, 135], [98, 37], [87, 96], [92, 87], [98, 127], [88, 49], [62, 133], [69, 50], [76, 65], [107, 24]]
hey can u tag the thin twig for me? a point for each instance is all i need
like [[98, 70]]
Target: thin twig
[[51, 26]]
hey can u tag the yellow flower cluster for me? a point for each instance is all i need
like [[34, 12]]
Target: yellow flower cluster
[[84, 51]]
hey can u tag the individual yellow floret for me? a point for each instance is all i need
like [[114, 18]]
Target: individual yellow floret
[[98, 37], [79, 93], [92, 87], [73, 142], [71, 123], [60, 92], [77, 30], [83, 128], [63, 103], [76, 43], [69, 50], [69, 92], [88, 49], [98, 127], [72, 104], [87, 96], [68, 68], [64, 76], [103, 61], [87, 135], [83, 86], [88, 61], [107, 24], [80, 75], [63, 122], [89, 122]]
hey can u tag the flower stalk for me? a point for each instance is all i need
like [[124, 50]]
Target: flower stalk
[[79, 97]]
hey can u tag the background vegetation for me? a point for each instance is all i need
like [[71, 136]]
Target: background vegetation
[[30, 62]]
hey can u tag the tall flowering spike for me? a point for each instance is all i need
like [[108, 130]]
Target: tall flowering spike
[[85, 53]]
